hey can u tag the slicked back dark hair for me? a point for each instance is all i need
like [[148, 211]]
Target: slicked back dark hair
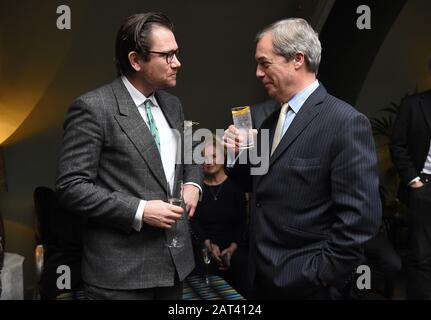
[[135, 35]]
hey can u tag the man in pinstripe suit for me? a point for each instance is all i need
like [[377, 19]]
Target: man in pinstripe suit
[[118, 157], [318, 203]]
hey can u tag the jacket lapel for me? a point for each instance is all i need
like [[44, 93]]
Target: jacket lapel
[[268, 124], [166, 103], [134, 126], [425, 103], [304, 117]]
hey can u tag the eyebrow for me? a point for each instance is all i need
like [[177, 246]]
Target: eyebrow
[[169, 50], [263, 59]]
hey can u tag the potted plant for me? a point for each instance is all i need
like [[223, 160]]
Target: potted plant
[[394, 212], [382, 127]]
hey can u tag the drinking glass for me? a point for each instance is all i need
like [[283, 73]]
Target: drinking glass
[[242, 121], [206, 255], [175, 197]]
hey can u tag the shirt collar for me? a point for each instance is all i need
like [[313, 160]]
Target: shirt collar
[[299, 99], [137, 96]]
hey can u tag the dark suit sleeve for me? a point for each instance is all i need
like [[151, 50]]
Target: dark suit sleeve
[[399, 145], [78, 168], [356, 202], [240, 170], [240, 174], [241, 220]]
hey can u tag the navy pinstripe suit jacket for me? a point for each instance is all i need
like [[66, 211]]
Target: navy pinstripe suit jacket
[[317, 205]]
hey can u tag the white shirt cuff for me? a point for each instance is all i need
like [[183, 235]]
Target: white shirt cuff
[[137, 223], [414, 180], [197, 186]]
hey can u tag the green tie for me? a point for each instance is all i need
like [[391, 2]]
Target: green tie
[[151, 123]]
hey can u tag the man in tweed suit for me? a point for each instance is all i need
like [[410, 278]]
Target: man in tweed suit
[[118, 157], [318, 203]]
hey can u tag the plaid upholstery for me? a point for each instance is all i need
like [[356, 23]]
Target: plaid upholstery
[[218, 289]]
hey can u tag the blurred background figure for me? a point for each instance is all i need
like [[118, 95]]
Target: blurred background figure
[[411, 155], [3, 187], [220, 222], [1, 248], [60, 234]]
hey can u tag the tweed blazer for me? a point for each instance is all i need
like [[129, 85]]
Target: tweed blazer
[[108, 162]]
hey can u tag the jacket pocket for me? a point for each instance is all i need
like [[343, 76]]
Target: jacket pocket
[[296, 238]]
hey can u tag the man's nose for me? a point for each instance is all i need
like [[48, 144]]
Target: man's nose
[[259, 73], [176, 62]]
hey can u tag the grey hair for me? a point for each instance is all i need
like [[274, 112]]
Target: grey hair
[[294, 35]]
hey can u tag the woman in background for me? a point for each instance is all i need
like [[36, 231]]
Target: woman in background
[[220, 222]]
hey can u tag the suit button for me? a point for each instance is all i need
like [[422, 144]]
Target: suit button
[[258, 205]]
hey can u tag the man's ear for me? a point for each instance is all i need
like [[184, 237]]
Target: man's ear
[[135, 60], [298, 60]]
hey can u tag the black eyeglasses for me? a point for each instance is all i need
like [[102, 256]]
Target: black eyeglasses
[[169, 55]]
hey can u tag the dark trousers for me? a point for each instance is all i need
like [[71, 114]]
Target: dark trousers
[[160, 293], [264, 290], [419, 266], [384, 261], [380, 255]]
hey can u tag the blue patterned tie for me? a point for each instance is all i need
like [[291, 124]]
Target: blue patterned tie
[[151, 123]]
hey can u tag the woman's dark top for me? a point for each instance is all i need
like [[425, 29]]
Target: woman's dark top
[[221, 215]]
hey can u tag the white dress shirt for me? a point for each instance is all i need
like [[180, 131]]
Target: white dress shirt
[[168, 142], [427, 167]]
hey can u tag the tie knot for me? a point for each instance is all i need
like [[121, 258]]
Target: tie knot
[[284, 108], [148, 103]]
